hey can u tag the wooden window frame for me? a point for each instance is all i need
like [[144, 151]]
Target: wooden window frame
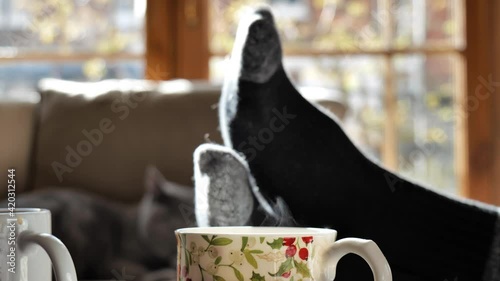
[[481, 138], [177, 38], [177, 42]]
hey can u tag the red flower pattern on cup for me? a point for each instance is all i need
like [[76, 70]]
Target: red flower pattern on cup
[[291, 251], [297, 255], [307, 239], [294, 249], [288, 241], [304, 254]]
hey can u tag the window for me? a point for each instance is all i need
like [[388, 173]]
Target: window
[[395, 64], [83, 40], [407, 70]]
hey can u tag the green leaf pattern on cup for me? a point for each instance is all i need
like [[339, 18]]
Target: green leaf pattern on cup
[[276, 244], [291, 252]]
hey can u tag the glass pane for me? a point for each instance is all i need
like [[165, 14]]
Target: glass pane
[[306, 24], [19, 80], [435, 23], [71, 26], [426, 88]]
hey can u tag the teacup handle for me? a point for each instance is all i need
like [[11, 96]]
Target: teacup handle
[[57, 251], [367, 249]]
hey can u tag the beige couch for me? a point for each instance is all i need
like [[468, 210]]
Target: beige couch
[[100, 136]]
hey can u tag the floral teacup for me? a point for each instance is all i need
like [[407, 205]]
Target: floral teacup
[[269, 253]]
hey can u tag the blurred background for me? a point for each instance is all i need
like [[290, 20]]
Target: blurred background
[[417, 79]]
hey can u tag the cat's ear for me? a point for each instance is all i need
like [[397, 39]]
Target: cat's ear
[[159, 187]]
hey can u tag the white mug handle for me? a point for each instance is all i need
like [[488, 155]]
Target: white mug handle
[[367, 249], [57, 251]]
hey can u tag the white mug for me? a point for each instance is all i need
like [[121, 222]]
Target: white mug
[[269, 253], [27, 247]]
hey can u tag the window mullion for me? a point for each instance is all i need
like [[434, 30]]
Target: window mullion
[[70, 57], [390, 146]]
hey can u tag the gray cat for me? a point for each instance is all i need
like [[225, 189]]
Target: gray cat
[[110, 240]]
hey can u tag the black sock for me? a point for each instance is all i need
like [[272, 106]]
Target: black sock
[[301, 154]]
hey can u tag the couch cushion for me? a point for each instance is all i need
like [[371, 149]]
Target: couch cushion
[[101, 135]]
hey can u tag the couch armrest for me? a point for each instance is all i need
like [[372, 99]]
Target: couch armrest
[[16, 127]]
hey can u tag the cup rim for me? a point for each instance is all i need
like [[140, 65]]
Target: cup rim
[[23, 211], [256, 231]]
